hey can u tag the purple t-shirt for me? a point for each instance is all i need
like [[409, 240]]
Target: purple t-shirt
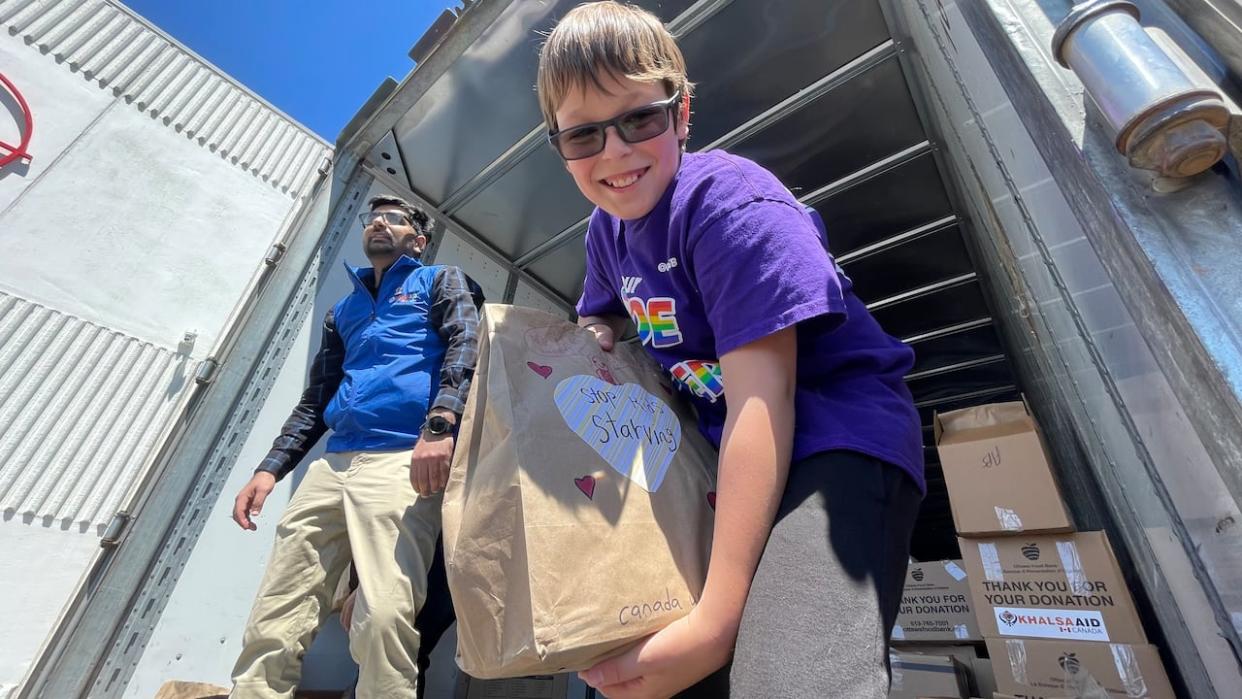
[[729, 256]]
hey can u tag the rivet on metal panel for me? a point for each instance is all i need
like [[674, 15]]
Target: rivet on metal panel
[[116, 528], [275, 254], [206, 372], [1224, 524]]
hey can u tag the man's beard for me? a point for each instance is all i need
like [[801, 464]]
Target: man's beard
[[380, 245]]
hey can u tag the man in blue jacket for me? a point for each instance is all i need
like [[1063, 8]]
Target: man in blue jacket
[[390, 379]]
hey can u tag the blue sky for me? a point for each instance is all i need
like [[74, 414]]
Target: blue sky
[[316, 60]]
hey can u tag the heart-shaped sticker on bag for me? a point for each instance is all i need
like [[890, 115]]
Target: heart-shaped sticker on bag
[[635, 432]]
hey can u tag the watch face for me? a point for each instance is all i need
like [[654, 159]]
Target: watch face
[[438, 425]]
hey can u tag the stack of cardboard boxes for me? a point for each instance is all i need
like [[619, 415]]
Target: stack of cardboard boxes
[[1050, 604], [936, 639]]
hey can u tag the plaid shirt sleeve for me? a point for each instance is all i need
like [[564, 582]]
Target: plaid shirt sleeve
[[455, 314], [305, 424]]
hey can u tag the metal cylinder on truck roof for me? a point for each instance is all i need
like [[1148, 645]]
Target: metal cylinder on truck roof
[[1163, 120]]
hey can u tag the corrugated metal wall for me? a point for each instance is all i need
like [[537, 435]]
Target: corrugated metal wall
[[109, 45], [179, 179], [80, 408]]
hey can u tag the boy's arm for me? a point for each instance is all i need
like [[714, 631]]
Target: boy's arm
[[754, 464], [755, 451], [600, 308]]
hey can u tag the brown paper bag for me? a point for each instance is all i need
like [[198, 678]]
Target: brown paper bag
[[578, 513]]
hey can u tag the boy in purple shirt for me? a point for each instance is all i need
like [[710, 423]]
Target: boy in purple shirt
[[732, 291]]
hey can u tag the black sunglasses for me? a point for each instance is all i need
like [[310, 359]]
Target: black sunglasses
[[392, 218], [634, 126]]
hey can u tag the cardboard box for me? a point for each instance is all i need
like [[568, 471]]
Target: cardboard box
[[918, 676], [1062, 586], [981, 682], [984, 677], [1036, 668], [963, 654], [997, 472], [935, 606]]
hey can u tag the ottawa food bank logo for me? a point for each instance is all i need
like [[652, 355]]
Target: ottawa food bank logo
[[917, 574], [402, 296], [1031, 551], [9, 152]]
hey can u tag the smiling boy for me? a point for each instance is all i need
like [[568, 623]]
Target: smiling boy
[[726, 277]]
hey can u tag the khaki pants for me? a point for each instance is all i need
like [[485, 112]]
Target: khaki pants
[[350, 505]]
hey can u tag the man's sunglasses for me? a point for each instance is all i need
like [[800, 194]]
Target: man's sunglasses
[[392, 218], [634, 126]]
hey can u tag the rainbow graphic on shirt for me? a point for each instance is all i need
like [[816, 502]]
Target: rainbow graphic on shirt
[[702, 378], [656, 319]]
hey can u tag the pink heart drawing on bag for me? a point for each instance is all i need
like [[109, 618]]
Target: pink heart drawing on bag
[[544, 371], [587, 485]]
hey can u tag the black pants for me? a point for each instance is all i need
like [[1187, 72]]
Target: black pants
[[825, 596], [436, 615]]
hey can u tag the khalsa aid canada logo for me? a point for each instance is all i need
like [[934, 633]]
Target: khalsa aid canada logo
[[10, 153], [1086, 625]]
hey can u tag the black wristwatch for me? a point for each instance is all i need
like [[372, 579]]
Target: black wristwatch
[[437, 425]]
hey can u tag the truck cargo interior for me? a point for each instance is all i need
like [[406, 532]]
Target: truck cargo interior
[[971, 192]]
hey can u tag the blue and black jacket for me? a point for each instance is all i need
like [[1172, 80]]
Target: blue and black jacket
[[388, 355]]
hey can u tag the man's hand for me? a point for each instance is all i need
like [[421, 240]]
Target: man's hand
[[662, 665], [249, 502], [429, 464]]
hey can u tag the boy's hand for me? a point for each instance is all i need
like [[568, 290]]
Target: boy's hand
[[605, 329], [603, 334], [249, 502], [429, 464], [664, 664]]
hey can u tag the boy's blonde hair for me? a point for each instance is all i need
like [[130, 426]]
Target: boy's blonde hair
[[608, 37]]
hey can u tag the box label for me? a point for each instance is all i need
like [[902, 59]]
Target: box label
[[1051, 623]]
